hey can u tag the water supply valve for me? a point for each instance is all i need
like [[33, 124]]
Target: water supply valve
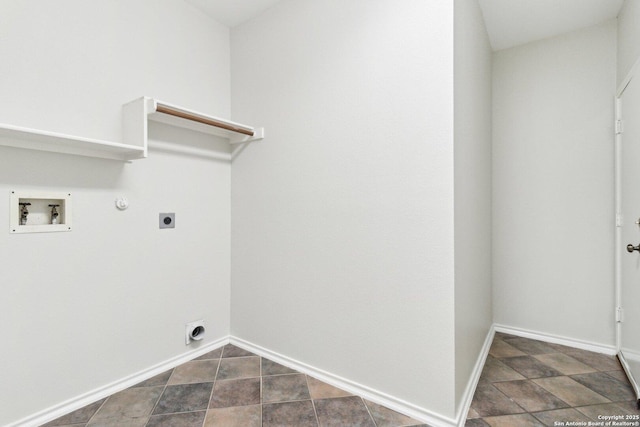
[[24, 213], [54, 214]]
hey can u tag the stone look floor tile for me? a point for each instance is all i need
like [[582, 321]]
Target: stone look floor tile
[[128, 404], [472, 414], [343, 411], [184, 398], [549, 418], [570, 391], [476, 422], [196, 371], [530, 367], [600, 362], [283, 388], [564, 363], [289, 414], [119, 422], [160, 379], [631, 405], [619, 375], [521, 420], [214, 354], [273, 368], [239, 416], [607, 386], [186, 419], [239, 367], [489, 401], [322, 390], [494, 370], [530, 396], [231, 350], [593, 411], [240, 392], [504, 336], [530, 346], [385, 417], [500, 348], [80, 416], [560, 348]]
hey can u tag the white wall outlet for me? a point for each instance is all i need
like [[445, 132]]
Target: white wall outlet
[[194, 331]]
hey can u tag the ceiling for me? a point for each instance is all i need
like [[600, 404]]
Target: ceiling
[[509, 22], [515, 22], [232, 12]]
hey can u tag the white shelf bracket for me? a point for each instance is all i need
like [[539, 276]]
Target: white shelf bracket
[[258, 134]]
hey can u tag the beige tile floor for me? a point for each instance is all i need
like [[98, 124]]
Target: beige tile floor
[[232, 387], [531, 383]]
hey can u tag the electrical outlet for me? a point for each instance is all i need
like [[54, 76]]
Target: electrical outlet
[[167, 220]]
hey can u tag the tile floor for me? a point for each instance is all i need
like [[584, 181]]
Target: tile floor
[[524, 383], [531, 383], [232, 387]]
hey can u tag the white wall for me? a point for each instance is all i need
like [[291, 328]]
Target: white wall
[[83, 309], [472, 113], [628, 35], [342, 220], [553, 185]]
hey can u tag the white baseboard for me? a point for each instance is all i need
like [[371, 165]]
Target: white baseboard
[[399, 405], [557, 339], [632, 355], [467, 396], [83, 400]]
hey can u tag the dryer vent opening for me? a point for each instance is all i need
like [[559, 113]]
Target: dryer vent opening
[[194, 332]]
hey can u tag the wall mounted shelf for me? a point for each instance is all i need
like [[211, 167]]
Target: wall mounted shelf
[[14, 136], [137, 113]]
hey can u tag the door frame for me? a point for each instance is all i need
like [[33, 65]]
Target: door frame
[[618, 128]]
